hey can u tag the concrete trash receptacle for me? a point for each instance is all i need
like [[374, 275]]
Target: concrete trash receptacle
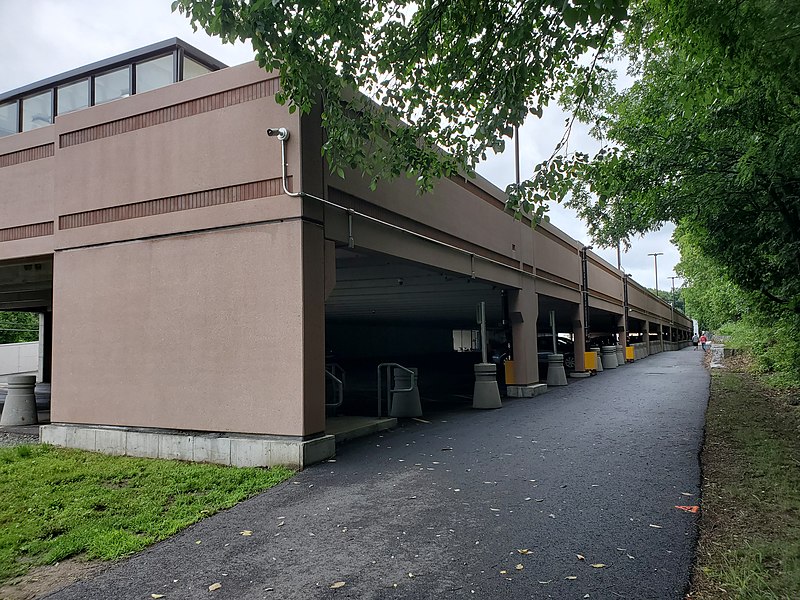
[[620, 355], [405, 404], [20, 405], [486, 394], [596, 350], [610, 357], [555, 370]]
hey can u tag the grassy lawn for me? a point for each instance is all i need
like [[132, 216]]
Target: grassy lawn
[[56, 503], [749, 545]]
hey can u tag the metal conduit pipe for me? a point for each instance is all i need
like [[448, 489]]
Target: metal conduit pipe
[[283, 135]]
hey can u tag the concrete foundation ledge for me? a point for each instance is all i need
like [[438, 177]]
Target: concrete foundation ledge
[[238, 450], [580, 374], [526, 391]]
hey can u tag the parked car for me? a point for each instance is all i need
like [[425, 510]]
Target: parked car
[[564, 346]]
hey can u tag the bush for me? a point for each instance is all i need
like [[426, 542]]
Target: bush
[[775, 346]]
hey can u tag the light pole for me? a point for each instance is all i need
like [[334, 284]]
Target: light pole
[[673, 278], [655, 256]]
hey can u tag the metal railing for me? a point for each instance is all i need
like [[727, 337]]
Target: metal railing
[[389, 384], [331, 371]]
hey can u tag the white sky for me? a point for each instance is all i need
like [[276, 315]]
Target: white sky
[[42, 38]]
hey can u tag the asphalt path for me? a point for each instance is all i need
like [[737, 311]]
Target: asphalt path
[[472, 504]]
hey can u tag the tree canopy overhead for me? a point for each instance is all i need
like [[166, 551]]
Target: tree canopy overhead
[[707, 138], [460, 74]]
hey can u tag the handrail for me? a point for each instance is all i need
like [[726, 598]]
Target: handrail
[[331, 370], [389, 389]]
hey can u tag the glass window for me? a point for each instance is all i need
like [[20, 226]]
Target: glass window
[[74, 96], [112, 85], [8, 118], [37, 111], [192, 68], [154, 74]]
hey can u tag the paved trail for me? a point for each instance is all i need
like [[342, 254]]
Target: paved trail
[[440, 510]]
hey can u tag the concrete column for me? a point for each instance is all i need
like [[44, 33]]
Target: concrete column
[[45, 346], [523, 308], [646, 334], [661, 335], [578, 336], [313, 309]]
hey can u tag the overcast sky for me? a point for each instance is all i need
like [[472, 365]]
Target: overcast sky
[[41, 38]]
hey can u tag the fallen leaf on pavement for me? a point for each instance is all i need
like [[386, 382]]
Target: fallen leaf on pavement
[[214, 586], [246, 532], [503, 572], [156, 596], [655, 526], [337, 585], [580, 557], [519, 567], [524, 551], [689, 509], [570, 577], [598, 565], [546, 582]]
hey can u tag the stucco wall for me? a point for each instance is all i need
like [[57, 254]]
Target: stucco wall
[[200, 331]]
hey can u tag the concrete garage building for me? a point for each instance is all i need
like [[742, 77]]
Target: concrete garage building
[[206, 286]]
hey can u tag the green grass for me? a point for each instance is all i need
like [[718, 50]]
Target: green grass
[[749, 545], [57, 503]]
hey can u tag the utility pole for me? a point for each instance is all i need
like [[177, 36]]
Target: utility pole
[[673, 278], [655, 256]]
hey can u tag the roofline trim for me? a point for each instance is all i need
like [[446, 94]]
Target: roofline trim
[[109, 63]]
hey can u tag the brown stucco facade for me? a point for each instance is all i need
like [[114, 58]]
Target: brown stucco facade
[[189, 290]]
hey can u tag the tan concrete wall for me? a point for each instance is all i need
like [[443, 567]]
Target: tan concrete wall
[[201, 331]]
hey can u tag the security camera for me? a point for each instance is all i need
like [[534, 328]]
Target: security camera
[[281, 132]]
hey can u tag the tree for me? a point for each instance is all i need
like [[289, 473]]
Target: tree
[[459, 74], [707, 138], [18, 327]]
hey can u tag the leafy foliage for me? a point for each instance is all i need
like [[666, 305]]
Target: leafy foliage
[[458, 74], [706, 138], [18, 327], [58, 503]]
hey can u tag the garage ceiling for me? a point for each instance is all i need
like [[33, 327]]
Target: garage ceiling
[[382, 288]]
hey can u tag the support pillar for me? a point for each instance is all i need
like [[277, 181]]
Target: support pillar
[[45, 346], [523, 306], [578, 336]]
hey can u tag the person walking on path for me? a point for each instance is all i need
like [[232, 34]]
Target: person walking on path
[[695, 340], [703, 342]]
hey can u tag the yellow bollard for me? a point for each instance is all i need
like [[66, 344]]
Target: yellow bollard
[[509, 366], [628, 353], [590, 361]]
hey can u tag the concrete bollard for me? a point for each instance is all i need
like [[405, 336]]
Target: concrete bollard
[[405, 404], [555, 370], [486, 394], [610, 357], [596, 350], [620, 355], [20, 405]]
